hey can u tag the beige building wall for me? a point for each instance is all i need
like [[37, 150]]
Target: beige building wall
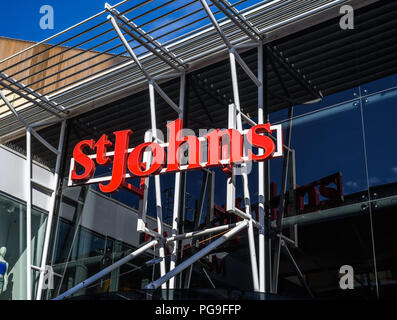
[[31, 71]]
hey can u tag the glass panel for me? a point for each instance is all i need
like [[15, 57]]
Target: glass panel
[[92, 252], [330, 183], [13, 248], [385, 83], [379, 119]]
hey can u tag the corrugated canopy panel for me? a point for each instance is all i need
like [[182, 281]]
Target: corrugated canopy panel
[[332, 58], [87, 62]]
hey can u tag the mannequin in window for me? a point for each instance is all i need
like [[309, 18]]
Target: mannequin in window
[[3, 270]]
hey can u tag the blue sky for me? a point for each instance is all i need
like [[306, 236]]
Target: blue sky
[[21, 18], [316, 156]]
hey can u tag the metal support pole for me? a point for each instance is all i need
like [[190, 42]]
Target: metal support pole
[[75, 229], [51, 212], [175, 226], [159, 208], [233, 56], [143, 202], [261, 182], [202, 253], [293, 230], [202, 232], [181, 223], [177, 189], [184, 94], [28, 191], [247, 200], [298, 271], [267, 171], [210, 202], [208, 277], [107, 270], [197, 219], [282, 201], [58, 200]]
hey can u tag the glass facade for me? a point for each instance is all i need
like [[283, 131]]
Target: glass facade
[[349, 136], [341, 194], [13, 238], [343, 159]]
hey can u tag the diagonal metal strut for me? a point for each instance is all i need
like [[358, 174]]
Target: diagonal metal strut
[[159, 50]]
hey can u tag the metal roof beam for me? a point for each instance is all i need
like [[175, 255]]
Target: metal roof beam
[[141, 67], [165, 55], [26, 125], [228, 44], [208, 88], [26, 97], [30, 91], [294, 72], [148, 47], [238, 19]]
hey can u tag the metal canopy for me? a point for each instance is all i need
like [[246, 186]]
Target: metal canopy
[[292, 85], [361, 56], [85, 66]]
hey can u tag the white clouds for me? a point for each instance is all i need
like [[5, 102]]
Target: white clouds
[[351, 184], [374, 180]]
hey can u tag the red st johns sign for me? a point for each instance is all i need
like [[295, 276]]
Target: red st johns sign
[[217, 148]]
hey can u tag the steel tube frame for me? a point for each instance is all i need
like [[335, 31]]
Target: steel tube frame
[[236, 121], [261, 182], [283, 190], [177, 192], [182, 266], [152, 87], [29, 132], [107, 270], [199, 233], [51, 212], [247, 200], [28, 191], [159, 208]]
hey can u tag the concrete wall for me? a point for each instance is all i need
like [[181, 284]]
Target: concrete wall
[[13, 178], [100, 214]]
